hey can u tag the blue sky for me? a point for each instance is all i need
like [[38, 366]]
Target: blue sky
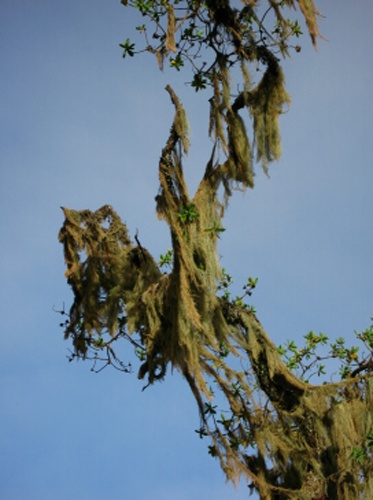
[[80, 128]]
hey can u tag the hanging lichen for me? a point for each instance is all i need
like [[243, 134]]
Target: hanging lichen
[[170, 37], [267, 103], [287, 438]]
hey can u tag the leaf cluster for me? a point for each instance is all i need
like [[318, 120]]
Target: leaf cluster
[[224, 284], [188, 214], [308, 361], [201, 33], [213, 39]]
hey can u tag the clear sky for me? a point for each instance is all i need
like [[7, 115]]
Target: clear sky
[[80, 127]]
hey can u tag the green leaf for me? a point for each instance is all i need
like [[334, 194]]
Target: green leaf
[[209, 409], [128, 48], [201, 432], [369, 439], [359, 455], [292, 346], [281, 350], [176, 62], [296, 29], [99, 342], [166, 259], [199, 82], [141, 354], [212, 451], [188, 213]]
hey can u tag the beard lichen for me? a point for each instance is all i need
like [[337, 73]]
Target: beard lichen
[[289, 439]]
